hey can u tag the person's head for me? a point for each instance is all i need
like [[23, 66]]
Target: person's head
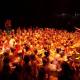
[[6, 60], [32, 57], [35, 51], [26, 47], [46, 54], [65, 66], [6, 54], [58, 50], [45, 61], [8, 23], [26, 59]]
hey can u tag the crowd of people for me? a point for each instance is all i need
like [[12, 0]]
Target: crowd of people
[[39, 54]]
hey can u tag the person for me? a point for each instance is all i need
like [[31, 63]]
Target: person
[[12, 42], [66, 73], [43, 73], [16, 73], [8, 25], [27, 70], [34, 66], [6, 68]]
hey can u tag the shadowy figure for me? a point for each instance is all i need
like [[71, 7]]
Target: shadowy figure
[[44, 70], [66, 73], [33, 67], [6, 69], [27, 69], [17, 73]]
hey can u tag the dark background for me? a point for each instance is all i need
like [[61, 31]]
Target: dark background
[[57, 13]]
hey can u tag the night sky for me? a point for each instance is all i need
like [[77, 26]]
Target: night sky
[[37, 10], [39, 7]]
